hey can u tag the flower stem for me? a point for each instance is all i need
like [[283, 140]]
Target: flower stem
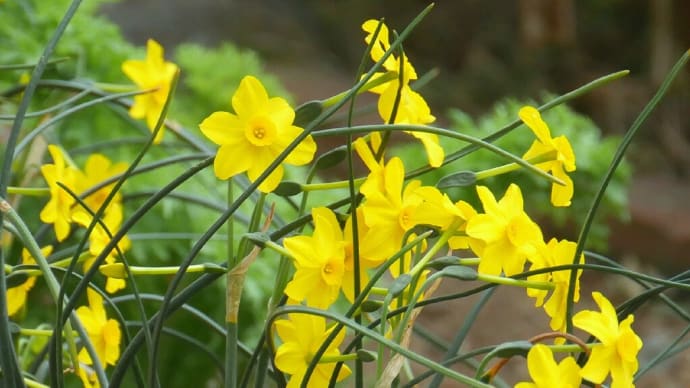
[[330, 185], [547, 286], [230, 324], [29, 191]]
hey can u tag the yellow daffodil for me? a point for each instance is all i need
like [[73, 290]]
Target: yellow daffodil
[[509, 236], [389, 214], [16, 296], [319, 261], [547, 373], [252, 137], [617, 352], [58, 209], [438, 210], [88, 377], [104, 333], [368, 257], [97, 169], [99, 238], [302, 335], [152, 73], [411, 107], [558, 151], [553, 254]]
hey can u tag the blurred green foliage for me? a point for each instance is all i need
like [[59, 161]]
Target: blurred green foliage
[[593, 154], [95, 49]]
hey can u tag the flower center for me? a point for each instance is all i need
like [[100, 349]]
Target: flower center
[[405, 218], [260, 131], [332, 271]]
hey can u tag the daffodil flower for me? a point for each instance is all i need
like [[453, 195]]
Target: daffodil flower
[[58, 209], [509, 236], [302, 336], [557, 150], [152, 73], [553, 254], [97, 169], [16, 296], [411, 106], [368, 257], [104, 333], [319, 261], [251, 138], [547, 373], [99, 238], [619, 344], [389, 214]]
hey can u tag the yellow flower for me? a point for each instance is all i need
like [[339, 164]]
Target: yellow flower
[[319, 261], [88, 377], [58, 209], [104, 333], [553, 254], [152, 73], [438, 210], [508, 234], [251, 139], [558, 150], [99, 238], [411, 108], [546, 373], [617, 352], [16, 296], [368, 257], [98, 168], [389, 213], [302, 336]]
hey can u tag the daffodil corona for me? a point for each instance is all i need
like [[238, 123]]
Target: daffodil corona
[[251, 138]]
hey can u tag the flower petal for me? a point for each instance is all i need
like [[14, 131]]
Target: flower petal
[[250, 97]]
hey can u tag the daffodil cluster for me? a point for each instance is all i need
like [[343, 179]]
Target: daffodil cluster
[[377, 254], [76, 195]]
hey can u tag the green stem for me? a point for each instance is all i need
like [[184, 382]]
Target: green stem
[[447, 234], [380, 80], [230, 323], [331, 185], [547, 286], [29, 191], [617, 159], [54, 288], [441, 132]]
